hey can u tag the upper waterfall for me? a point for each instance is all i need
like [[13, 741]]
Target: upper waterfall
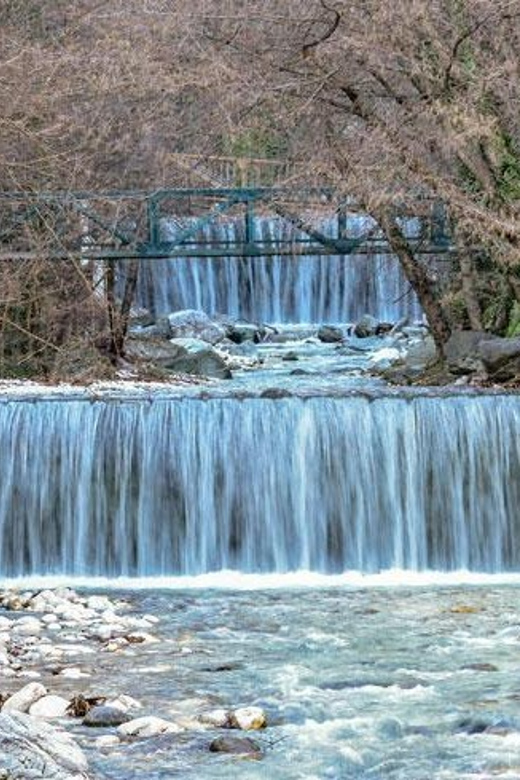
[[279, 289]]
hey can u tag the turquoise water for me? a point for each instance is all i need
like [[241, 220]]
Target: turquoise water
[[397, 682]]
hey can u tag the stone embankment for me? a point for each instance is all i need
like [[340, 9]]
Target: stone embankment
[[51, 645]]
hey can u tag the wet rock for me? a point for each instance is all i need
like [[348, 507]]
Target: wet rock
[[103, 716], [493, 724], [239, 332], [330, 334], [32, 750], [248, 719], [140, 317], [480, 667], [124, 703], [50, 706], [290, 356], [148, 726], [219, 719], [366, 326], [27, 626], [462, 351], [384, 358], [22, 700], [501, 357], [236, 746], [194, 324], [276, 393], [195, 356]]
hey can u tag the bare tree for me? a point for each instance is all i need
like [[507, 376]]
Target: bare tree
[[395, 102]]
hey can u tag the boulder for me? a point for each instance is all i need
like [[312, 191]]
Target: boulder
[[195, 324], [366, 326], [181, 356], [330, 334], [237, 746], [462, 351], [501, 355], [239, 331], [140, 317], [199, 358], [103, 716], [219, 719], [248, 719], [32, 750], [384, 358], [421, 353], [50, 707]]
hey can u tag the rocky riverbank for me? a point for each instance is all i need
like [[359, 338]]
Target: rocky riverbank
[[58, 702]]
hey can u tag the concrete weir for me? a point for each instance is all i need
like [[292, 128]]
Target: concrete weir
[[179, 485]]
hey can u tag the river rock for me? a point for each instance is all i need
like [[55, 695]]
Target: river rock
[[197, 357], [32, 750], [236, 745], [384, 358], [462, 351], [330, 334], [140, 317], [249, 718], [103, 716], [194, 324], [501, 356], [50, 706], [218, 719], [366, 326], [27, 626], [124, 703], [22, 700], [148, 726], [239, 331]]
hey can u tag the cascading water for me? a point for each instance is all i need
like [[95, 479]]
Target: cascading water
[[185, 486], [278, 289]]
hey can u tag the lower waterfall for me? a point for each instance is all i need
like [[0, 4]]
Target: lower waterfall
[[186, 486]]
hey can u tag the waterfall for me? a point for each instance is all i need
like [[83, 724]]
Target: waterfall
[[186, 486], [280, 289]]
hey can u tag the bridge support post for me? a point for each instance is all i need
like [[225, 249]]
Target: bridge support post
[[250, 222], [152, 210]]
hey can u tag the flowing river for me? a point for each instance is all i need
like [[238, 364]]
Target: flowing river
[[366, 678], [342, 554]]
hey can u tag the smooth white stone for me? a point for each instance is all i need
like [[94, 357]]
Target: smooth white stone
[[124, 703], [50, 707], [219, 719], [23, 699], [250, 718]]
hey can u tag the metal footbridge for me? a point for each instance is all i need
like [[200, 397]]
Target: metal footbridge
[[180, 222]]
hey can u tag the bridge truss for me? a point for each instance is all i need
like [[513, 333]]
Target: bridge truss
[[168, 223]]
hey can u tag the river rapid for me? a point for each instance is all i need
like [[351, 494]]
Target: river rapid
[[371, 679]]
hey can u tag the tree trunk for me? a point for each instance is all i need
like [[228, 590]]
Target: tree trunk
[[467, 275], [118, 316], [417, 276]]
